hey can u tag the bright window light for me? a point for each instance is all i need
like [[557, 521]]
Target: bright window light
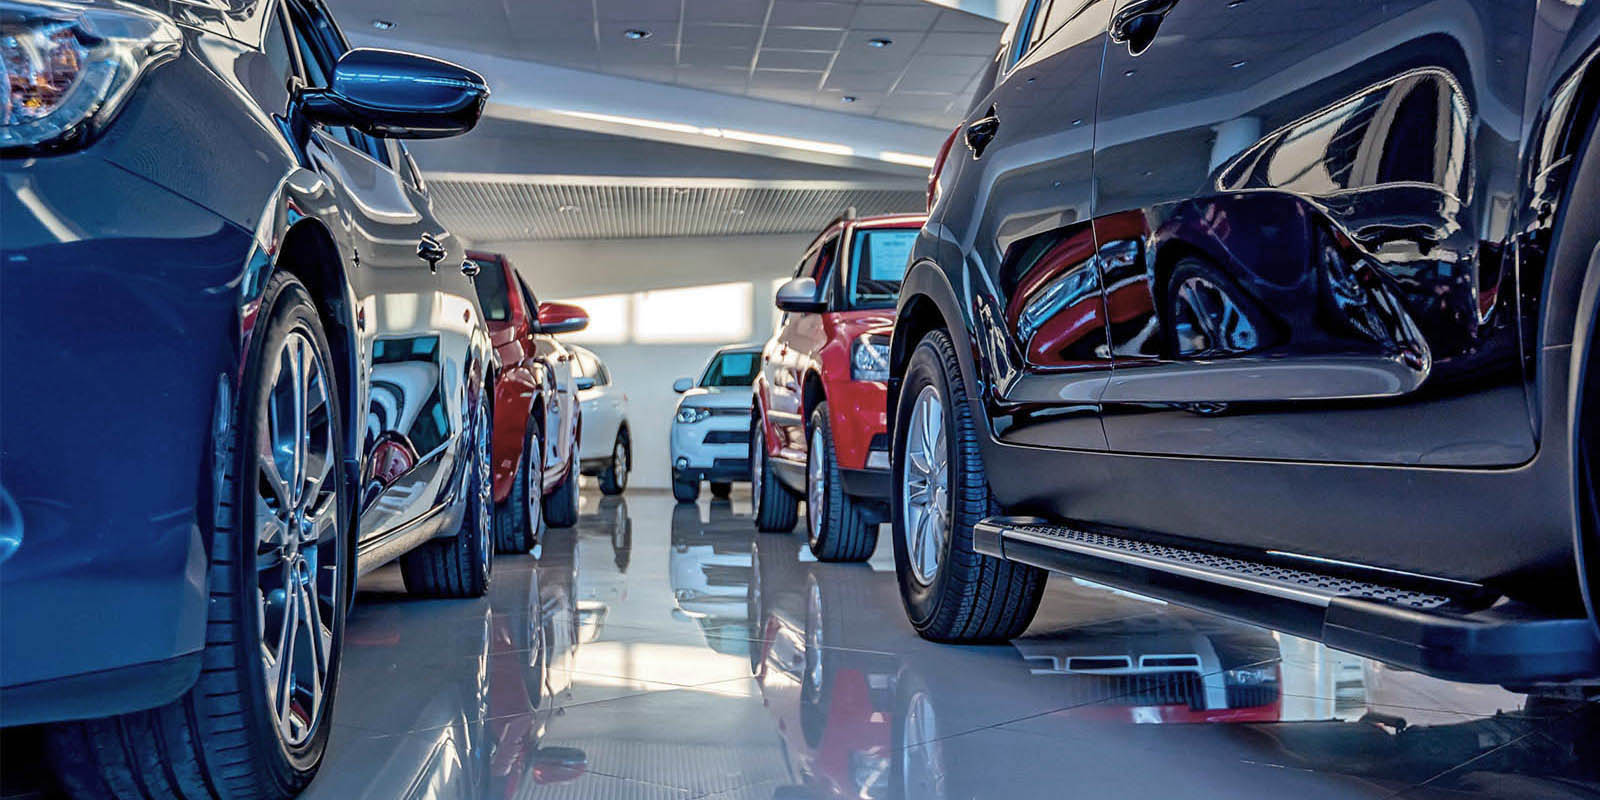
[[777, 313], [926, 162], [789, 142], [608, 319], [717, 312]]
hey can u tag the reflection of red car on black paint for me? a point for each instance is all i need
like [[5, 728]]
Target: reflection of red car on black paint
[[528, 406]]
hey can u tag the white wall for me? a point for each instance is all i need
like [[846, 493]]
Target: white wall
[[569, 269]]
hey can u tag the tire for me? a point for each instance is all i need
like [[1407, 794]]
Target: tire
[[721, 489], [561, 505], [1208, 314], [223, 737], [460, 566], [614, 478], [776, 510], [836, 526], [685, 491], [961, 595], [519, 521]]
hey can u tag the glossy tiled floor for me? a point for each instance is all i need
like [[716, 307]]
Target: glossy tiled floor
[[664, 651]]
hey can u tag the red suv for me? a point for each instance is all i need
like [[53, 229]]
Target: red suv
[[817, 428], [531, 470]]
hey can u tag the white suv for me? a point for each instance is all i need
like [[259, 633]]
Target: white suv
[[605, 448], [711, 429]]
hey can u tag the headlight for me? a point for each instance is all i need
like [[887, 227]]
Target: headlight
[[68, 68], [869, 358], [689, 415]]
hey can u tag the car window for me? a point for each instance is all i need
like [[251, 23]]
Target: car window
[[825, 258], [319, 47], [1028, 27], [732, 369], [493, 294], [877, 265], [529, 302], [602, 376]]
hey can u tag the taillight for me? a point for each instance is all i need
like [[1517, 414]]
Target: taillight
[[938, 166]]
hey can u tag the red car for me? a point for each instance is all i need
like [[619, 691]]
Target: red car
[[535, 479], [818, 427]]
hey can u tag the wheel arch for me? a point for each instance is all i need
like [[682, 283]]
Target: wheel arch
[[308, 252], [928, 302]]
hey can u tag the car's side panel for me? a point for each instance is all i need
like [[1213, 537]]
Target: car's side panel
[[523, 380], [562, 415], [1321, 262], [1020, 208]]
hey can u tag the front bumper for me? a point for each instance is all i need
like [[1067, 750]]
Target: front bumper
[[120, 321], [714, 449]]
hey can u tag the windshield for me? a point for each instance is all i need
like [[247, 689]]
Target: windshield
[[877, 263], [493, 294], [732, 369]]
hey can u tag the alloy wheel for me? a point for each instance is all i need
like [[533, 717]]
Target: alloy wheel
[[816, 487], [926, 507], [297, 539], [484, 480], [534, 492], [1209, 320], [619, 462], [757, 463]]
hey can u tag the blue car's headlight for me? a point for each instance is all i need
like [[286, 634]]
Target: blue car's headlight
[[688, 415], [68, 68]]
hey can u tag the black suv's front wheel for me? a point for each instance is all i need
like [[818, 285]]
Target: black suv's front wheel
[[940, 491]]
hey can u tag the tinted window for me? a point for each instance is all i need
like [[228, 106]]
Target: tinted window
[[268, 76], [493, 294], [1033, 16], [825, 258], [877, 264], [732, 369]]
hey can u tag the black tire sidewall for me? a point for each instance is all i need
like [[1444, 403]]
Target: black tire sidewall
[[290, 310], [922, 601], [818, 540]]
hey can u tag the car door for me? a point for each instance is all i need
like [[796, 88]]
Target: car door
[[803, 337], [1021, 208], [1315, 205], [602, 408], [413, 335]]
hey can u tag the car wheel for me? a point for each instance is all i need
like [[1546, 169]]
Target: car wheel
[[721, 489], [951, 592], [460, 565], [836, 527], [1586, 462], [519, 521], [561, 505], [685, 490], [776, 509], [255, 723], [614, 480]]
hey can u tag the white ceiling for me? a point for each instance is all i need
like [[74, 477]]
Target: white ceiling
[[802, 52]]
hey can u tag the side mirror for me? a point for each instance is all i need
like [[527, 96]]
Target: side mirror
[[800, 295], [584, 383], [682, 385], [398, 95], [562, 318]]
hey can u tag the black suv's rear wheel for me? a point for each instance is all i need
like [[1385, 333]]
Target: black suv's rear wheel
[[255, 724], [951, 593]]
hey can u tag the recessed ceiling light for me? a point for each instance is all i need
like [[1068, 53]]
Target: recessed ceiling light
[[847, 99], [383, 24], [879, 41], [569, 209], [635, 34]]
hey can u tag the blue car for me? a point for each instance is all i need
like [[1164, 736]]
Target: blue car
[[243, 364]]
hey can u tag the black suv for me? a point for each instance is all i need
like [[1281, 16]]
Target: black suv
[[1286, 316]]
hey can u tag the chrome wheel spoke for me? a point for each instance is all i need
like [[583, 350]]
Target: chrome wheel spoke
[[925, 503]]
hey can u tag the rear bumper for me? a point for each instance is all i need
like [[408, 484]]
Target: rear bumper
[[114, 350]]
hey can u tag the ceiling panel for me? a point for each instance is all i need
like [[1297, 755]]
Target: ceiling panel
[[932, 48], [508, 210]]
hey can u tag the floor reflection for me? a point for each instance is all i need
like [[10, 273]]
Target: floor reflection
[[663, 650]]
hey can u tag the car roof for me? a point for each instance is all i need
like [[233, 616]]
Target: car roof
[[880, 221]]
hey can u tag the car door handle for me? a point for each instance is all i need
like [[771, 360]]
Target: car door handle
[[429, 250], [981, 131], [1136, 23], [470, 268]]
